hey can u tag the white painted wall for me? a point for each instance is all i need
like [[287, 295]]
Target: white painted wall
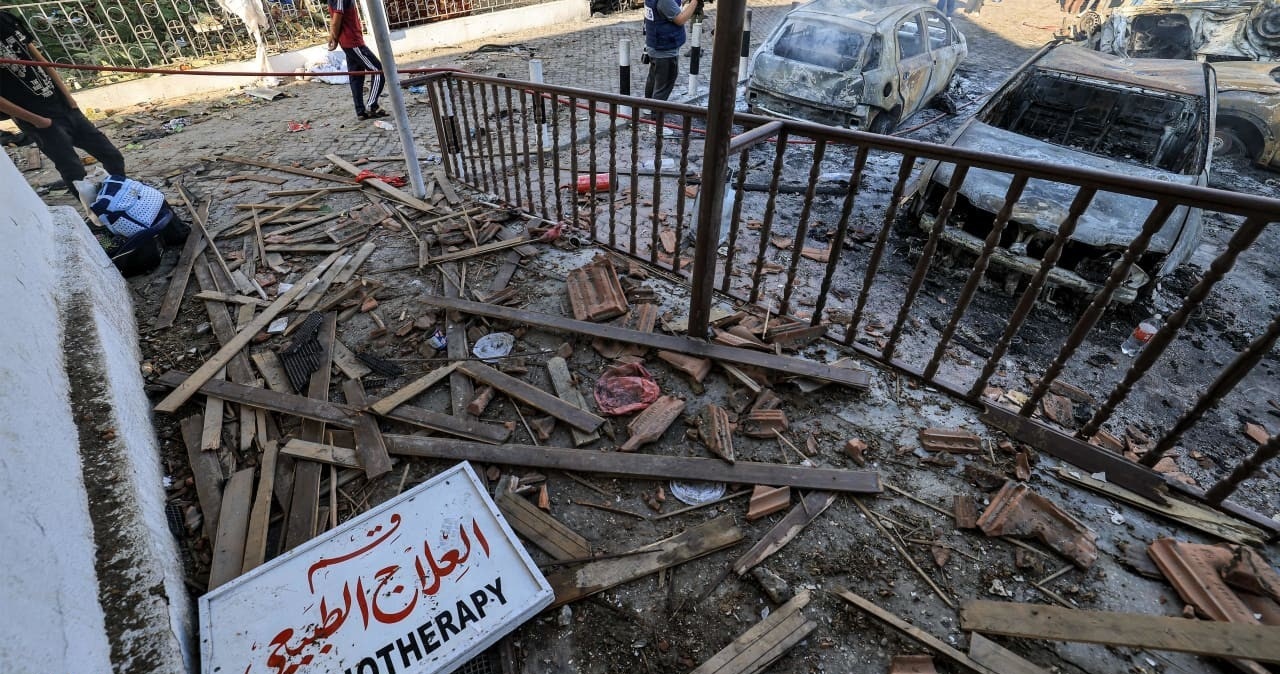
[[431, 36], [56, 282]]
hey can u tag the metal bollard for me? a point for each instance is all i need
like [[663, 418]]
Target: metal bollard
[[540, 105], [695, 54], [745, 61], [624, 72]]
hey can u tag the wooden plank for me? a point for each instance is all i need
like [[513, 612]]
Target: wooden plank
[[182, 393], [211, 432], [300, 524], [270, 180], [285, 169], [255, 546], [532, 396], [999, 658], [220, 323], [347, 361], [273, 372], [587, 579], [181, 276], [233, 527], [790, 526], [543, 530], [308, 190], [562, 382], [510, 262], [285, 403], [460, 389], [361, 255], [764, 642], [228, 298], [389, 402], [301, 204], [206, 472], [369, 443], [1135, 630], [915, 632], [305, 248], [647, 466], [402, 197], [322, 453], [313, 296], [478, 250], [463, 427], [797, 367], [446, 188]]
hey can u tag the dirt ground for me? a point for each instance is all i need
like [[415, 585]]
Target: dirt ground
[[664, 624]]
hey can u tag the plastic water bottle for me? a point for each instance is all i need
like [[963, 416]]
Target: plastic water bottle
[[1141, 335]]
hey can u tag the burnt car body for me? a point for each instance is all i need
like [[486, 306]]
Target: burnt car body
[[1249, 111], [1206, 30], [1072, 106], [862, 64]]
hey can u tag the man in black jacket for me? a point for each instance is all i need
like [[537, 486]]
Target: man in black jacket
[[42, 107]]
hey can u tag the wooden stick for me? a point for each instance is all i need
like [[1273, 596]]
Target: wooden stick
[[902, 551]]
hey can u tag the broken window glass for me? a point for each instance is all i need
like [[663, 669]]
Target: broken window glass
[[1150, 128], [909, 42], [820, 45]]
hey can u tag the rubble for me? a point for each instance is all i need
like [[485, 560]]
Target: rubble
[[1017, 511]]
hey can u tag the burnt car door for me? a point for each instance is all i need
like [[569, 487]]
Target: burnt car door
[[945, 50], [914, 64]]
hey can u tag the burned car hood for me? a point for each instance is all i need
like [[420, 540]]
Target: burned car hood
[[1226, 29], [805, 82], [1112, 219]]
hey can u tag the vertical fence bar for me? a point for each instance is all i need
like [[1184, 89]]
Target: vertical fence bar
[[613, 174], [766, 227], [1084, 325], [503, 159], [1011, 196], [635, 179], [480, 132], [1220, 491], [1023, 309], [659, 119], [517, 159], [573, 161], [1221, 386], [734, 217], [592, 167], [682, 183], [877, 252], [958, 173], [446, 128], [802, 228], [837, 241], [556, 171], [466, 131], [527, 157], [1243, 237], [539, 118], [499, 178]]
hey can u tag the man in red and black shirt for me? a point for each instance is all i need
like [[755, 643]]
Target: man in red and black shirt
[[344, 31], [41, 105]]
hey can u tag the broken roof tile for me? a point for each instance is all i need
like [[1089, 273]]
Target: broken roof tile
[[955, 440], [1017, 511], [595, 292]]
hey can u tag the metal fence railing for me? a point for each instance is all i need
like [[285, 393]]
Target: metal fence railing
[[195, 33], [524, 142]]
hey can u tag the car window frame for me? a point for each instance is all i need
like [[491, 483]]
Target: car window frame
[[921, 37], [946, 27]]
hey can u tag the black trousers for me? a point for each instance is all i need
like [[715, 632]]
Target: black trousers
[[362, 58], [70, 131], [662, 77]]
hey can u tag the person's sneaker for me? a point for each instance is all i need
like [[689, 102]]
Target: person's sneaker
[[361, 114], [376, 113]]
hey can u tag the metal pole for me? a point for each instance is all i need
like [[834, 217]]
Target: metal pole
[[624, 71], [746, 47], [721, 100], [540, 107], [382, 37], [695, 55]]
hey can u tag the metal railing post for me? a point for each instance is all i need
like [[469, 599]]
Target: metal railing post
[[715, 153], [382, 37]]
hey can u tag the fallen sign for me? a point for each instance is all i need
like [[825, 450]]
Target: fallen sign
[[797, 367], [473, 584]]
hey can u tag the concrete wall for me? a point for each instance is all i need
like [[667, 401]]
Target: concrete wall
[[89, 573], [431, 36]]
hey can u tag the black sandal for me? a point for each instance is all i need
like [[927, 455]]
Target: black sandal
[[377, 113]]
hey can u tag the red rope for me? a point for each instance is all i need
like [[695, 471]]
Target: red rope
[[222, 73]]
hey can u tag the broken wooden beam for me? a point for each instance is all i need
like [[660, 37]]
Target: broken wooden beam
[[320, 452], [999, 658], [255, 545], [181, 273], [648, 466], [788, 365], [562, 382], [651, 423], [233, 527], [284, 169], [206, 472], [478, 250], [807, 510], [914, 632], [389, 402], [301, 520], [588, 579], [369, 443], [1235, 641], [543, 530], [285, 403], [398, 195], [766, 641], [184, 391], [532, 396]]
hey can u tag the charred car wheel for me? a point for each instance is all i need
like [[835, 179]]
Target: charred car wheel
[[884, 122]]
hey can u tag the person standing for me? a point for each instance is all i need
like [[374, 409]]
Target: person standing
[[664, 22], [40, 103], [345, 31]]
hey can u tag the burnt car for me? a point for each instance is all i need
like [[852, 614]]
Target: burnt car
[[1249, 111], [860, 64], [1071, 106], [1205, 30]]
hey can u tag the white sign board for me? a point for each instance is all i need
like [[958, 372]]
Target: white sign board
[[422, 583]]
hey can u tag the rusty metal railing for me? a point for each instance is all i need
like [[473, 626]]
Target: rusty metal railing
[[562, 131]]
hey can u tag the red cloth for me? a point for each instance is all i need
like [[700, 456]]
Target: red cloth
[[394, 181], [349, 34]]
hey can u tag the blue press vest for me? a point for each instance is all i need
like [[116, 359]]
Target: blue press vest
[[659, 32]]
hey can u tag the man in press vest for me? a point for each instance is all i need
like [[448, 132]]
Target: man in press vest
[[664, 22]]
